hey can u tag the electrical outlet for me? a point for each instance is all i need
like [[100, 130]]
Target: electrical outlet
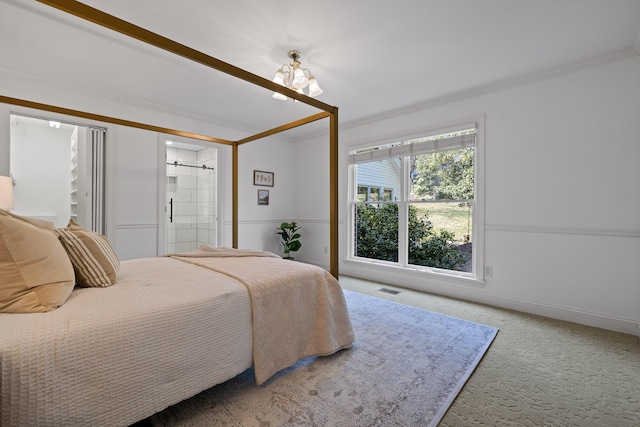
[[488, 271], [326, 250]]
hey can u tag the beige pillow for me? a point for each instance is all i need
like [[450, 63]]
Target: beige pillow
[[37, 275], [41, 223], [94, 260]]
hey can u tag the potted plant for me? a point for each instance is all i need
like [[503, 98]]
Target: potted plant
[[289, 233]]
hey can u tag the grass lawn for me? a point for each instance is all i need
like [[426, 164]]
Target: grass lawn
[[448, 216]]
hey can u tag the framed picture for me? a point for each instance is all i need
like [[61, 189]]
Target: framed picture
[[263, 178], [263, 197]]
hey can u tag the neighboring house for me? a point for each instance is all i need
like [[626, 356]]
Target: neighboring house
[[378, 181]]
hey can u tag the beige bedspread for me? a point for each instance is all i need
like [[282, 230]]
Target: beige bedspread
[[299, 310], [165, 331]]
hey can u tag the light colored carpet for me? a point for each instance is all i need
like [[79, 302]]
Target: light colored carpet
[[538, 371], [405, 369]]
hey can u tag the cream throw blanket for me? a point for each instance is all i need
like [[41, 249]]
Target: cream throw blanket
[[299, 310]]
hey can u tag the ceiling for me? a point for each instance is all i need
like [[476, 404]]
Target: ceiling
[[370, 57]]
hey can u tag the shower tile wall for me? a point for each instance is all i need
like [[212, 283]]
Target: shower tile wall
[[194, 200], [207, 203]]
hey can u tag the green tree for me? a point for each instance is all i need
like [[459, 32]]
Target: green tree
[[444, 175]]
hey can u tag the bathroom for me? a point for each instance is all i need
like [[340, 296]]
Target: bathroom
[[191, 200]]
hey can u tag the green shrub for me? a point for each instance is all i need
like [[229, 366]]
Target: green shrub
[[377, 238], [377, 232]]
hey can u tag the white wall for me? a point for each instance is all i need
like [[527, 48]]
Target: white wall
[[562, 203], [312, 198], [257, 223]]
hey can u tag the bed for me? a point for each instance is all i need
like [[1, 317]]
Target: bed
[[167, 328]]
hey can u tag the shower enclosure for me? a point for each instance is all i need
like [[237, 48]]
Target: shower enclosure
[[192, 189]]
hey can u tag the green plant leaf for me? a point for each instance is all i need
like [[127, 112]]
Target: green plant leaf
[[295, 245]]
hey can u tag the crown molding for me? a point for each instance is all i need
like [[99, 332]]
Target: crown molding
[[490, 88]]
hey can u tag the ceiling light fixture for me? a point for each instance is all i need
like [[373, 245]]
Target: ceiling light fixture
[[294, 77]]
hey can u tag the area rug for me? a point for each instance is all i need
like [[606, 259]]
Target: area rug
[[405, 369]]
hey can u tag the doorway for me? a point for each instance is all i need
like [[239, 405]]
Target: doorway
[[191, 196], [58, 171]]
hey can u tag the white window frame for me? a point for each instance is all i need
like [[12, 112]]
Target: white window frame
[[476, 276]]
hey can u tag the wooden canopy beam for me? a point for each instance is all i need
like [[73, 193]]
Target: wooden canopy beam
[[284, 127], [108, 119], [333, 179], [333, 194], [121, 26]]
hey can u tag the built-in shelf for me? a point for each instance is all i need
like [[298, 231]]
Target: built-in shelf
[[74, 179]]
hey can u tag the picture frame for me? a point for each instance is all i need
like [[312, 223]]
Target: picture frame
[[263, 197], [262, 178]]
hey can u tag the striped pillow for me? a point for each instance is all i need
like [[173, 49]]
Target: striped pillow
[[94, 260]]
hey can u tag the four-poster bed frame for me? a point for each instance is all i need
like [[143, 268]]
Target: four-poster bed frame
[[327, 111]]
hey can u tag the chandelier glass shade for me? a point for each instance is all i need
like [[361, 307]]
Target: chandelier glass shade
[[293, 76]]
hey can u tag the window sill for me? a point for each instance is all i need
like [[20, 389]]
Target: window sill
[[416, 271]]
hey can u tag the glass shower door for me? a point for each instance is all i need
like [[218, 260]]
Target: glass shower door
[[191, 211]]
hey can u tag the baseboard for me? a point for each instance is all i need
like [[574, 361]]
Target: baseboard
[[475, 294], [597, 320]]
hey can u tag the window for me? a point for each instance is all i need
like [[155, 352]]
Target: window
[[415, 203], [366, 194]]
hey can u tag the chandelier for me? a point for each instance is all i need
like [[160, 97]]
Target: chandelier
[[293, 76]]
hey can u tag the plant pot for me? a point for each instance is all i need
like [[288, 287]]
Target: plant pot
[[290, 258]]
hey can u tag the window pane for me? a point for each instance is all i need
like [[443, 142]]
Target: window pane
[[377, 175], [376, 231], [445, 175], [363, 193], [388, 194], [440, 235]]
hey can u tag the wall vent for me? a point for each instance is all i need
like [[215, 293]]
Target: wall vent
[[389, 291]]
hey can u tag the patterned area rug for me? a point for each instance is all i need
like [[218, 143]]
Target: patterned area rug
[[405, 369]]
